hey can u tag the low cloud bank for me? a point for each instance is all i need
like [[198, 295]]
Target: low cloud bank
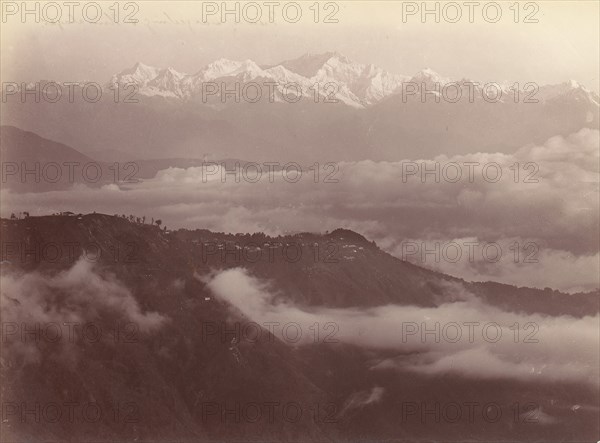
[[464, 337], [41, 310]]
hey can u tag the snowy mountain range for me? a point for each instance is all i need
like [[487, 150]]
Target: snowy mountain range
[[327, 76], [375, 117]]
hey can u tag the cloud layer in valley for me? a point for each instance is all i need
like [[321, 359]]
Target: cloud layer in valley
[[547, 195], [545, 349], [42, 311]]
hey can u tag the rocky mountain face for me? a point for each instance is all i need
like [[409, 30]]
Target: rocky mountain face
[[167, 357]]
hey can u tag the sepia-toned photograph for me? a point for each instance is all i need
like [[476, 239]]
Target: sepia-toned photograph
[[300, 221]]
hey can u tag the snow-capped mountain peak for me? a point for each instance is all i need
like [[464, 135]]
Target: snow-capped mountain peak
[[141, 68], [570, 88], [167, 81], [172, 72], [139, 74], [308, 64], [358, 83], [224, 67], [429, 76]]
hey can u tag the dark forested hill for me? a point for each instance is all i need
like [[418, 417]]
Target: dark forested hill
[[167, 356]]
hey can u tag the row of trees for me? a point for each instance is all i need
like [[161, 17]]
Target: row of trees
[[131, 218], [141, 220]]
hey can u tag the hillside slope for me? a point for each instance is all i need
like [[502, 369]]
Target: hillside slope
[[186, 363]]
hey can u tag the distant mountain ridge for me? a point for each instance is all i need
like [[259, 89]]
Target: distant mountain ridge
[[45, 159], [357, 84]]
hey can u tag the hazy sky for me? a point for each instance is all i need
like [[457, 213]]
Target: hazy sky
[[564, 44]]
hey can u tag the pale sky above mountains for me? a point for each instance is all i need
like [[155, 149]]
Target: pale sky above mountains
[[562, 45]]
